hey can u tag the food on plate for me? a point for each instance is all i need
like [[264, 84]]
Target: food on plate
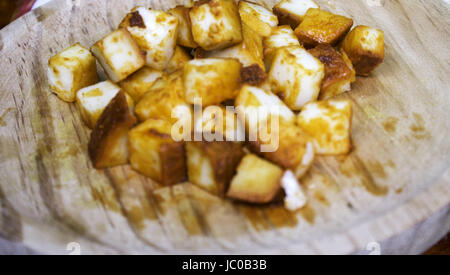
[[225, 94], [329, 124], [248, 185], [257, 17], [155, 154], [319, 27], [119, 55], [185, 37], [339, 72], [216, 24], [155, 32], [163, 98], [213, 80], [139, 83], [108, 145], [92, 101], [365, 48], [292, 12], [212, 165], [296, 76], [71, 70], [282, 36]]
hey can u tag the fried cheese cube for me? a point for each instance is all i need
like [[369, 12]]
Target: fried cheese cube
[[257, 181], [339, 72], [296, 76], [155, 32], [329, 124], [139, 83], [178, 60], [185, 37], [257, 17], [92, 101], [155, 154], [221, 121], [212, 80], [322, 27], [163, 98], [292, 12], [108, 145], [282, 36], [249, 52], [212, 165], [216, 24], [71, 70], [256, 105], [119, 55], [286, 145], [365, 48]]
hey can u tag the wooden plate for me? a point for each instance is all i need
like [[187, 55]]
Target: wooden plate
[[393, 189]]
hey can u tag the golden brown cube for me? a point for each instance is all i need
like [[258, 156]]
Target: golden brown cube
[[249, 52], [108, 145], [178, 60], [256, 106], [71, 70], [211, 80], [320, 26], [365, 48], [329, 124], [212, 165], [155, 32], [119, 55], [286, 145], [92, 101], [292, 12], [296, 76], [257, 181], [257, 17], [339, 72], [185, 37], [216, 24], [163, 98], [282, 36], [139, 83], [155, 154]]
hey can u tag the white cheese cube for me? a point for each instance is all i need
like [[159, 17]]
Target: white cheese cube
[[119, 55], [156, 34], [296, 76], [71, 70], [329, 124]]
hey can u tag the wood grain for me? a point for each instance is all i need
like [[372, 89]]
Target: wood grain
[[393, 188]]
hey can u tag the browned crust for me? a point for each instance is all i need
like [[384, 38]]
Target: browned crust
[[173, 163], [336, 68], [366, 63], [253, 75], [136, 20], [225, 158], [285, 18], [115, 121]]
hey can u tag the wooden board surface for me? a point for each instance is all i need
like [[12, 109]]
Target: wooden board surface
[[393, 188]]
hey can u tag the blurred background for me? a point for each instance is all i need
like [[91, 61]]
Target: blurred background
[[12, 9]]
